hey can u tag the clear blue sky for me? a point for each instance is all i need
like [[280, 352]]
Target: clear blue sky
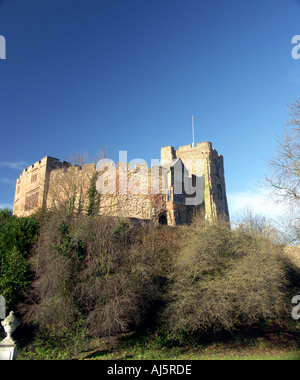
[[81, 75]]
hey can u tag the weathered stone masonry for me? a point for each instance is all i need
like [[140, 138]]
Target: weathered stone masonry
[[141, 193]]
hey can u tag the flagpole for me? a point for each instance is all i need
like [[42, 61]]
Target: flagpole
[[193, 131]]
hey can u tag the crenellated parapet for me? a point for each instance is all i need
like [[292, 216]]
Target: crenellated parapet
[[32, 184], [163, 192], [203, 155]]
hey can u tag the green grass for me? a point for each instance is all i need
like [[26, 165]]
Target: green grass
[[251, 346]]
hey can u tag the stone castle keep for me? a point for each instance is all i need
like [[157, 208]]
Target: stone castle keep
[[188, 179]]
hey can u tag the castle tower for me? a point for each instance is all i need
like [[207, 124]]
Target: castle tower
[[203, 161], [32, 186]]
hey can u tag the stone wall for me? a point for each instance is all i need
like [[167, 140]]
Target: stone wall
[[134, 192], [31, 186], [215, 199]]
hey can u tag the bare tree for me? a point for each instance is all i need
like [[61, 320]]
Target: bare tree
[[284, 177], [256, 225], [74, 188]]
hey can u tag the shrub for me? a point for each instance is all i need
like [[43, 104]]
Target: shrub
[[55, 262], [96, 270], [121, 278], [224, 279], [16, 238]]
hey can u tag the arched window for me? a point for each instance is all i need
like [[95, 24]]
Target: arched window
[[220, 192]]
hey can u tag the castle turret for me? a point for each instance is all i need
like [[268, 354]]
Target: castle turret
[[32, 186], [203, 161]]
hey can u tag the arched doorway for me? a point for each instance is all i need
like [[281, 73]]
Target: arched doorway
[[163, 220]]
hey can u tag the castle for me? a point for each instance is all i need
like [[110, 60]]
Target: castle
[[187, 179]]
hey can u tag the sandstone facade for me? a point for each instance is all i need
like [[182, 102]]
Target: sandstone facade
[[188, 179]]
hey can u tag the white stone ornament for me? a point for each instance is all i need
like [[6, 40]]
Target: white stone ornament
[[8, 348], [10, 323]]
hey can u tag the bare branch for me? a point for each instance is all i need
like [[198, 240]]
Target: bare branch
[[284, 178]]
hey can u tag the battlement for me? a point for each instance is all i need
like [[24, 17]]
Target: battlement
[[49, 162], [132, 190], [202, 150], [33, 167], [205, 146]]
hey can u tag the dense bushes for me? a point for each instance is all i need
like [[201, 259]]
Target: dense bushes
[[225, 279], [16, 237], [98, 271], [105, 276]]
